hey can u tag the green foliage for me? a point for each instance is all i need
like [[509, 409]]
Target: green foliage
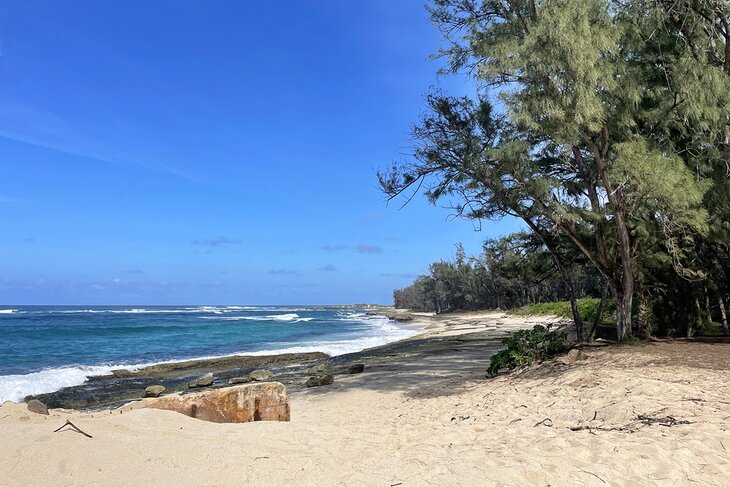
[[512, 271], [588, 308], [610, 140], [527, 346]]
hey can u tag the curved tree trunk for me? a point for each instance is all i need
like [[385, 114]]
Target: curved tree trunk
[[599, 313], [723, 314], [564, 274]]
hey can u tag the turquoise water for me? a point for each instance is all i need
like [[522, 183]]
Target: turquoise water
[[45, 348]]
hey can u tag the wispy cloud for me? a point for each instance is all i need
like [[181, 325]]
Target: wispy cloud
[[406, 275], [327, 268], [28, 240], [134, 271], [333, 248], [217, 242], [48, 131], [283, 272], [369, 249]]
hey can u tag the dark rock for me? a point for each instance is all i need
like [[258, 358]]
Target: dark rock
[[318, 369], [120, 373], [356, 368], [322, 380], [240, 380], [249, 402], [260, 375], [202, 381], [35, 406], [154, 391]]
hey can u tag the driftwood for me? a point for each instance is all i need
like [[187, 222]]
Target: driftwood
[[76, 428], [641, 420]]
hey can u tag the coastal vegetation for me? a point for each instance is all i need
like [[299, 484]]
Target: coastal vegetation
[[527, 346], [604, 126]]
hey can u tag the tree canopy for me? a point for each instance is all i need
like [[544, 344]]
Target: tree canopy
[[604, 126]]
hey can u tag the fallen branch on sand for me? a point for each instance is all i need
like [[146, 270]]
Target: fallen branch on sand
[[641, 420], [668, 421], [69, 423]]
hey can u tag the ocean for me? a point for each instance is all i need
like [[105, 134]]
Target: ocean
[[46, 348]]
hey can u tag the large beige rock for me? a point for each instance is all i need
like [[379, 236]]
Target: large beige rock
[[265, 401]]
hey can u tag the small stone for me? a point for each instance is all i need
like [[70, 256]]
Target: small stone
[[35, 406], [239, 380], [203, 381], [260, 375], [318, 369], [322, 380], [356, 368], [571, 356], [154, 391]]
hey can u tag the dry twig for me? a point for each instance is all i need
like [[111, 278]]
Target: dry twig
[[76, 428]]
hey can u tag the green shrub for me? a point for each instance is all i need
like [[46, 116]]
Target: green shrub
[[527, 346], [588, 307]]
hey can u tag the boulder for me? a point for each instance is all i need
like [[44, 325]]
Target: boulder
[[571, 356], [202, 381], [267, 401], [318, 369], [154, 391], [35, 406], [356, 368], [240, 380], [260, 375], [322, 380]]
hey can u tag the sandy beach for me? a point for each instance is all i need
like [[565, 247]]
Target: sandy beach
[[648, 414]]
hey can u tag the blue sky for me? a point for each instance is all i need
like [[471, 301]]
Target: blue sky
[[213, 152]]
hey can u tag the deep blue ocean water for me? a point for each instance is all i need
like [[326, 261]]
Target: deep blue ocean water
[[45, 348]]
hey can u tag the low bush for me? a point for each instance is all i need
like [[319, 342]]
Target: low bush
[[527, 346], [588, 307]]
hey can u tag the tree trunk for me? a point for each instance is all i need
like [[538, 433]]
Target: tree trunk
[[624, 289], [599, 313], [682, 313], [692, 323], [624, 301], [564, 274], [576, 318], [723, 314], [643, 327]]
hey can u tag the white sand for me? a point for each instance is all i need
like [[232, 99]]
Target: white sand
[[435, 421]]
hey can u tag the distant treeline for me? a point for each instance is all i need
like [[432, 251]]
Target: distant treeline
[[605, 127], [511, 272]]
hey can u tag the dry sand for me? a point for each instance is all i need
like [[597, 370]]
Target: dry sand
[[435, 421]]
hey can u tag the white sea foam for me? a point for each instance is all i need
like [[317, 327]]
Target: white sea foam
[[16, 387], [289, 317], [381, 331], [8, 311], [204, 309]]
